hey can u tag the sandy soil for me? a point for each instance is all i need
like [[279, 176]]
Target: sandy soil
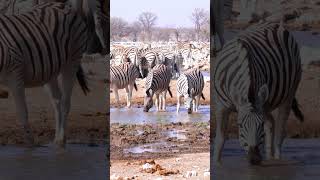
[[182, 165], [190, 153], [86, 122]]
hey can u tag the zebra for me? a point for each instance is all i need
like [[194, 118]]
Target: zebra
[[254, 74], [168, 58], [190, 85], [97, 18], [35, 48], [157, 82], [124, 76], [132, 55]]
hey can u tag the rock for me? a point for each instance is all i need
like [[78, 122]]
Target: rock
[[191, 174]]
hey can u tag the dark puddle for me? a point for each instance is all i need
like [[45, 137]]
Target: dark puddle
[[301, 160], [75, 162]]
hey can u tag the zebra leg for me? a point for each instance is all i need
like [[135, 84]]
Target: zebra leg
[[116, 95], [55, 95], [157, 102], [279, 129], [128, 96], [164, 100], [197, 102], [178, 102], [194, 104], [222, 116], [268, 128], [67, 81], [16, 86]]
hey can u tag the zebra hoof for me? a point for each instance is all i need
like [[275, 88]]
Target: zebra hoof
[[254, 156], [189, 111], [60, 143]]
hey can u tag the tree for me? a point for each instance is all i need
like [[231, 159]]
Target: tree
[[177, 33], [148, 21], [118, 28], [199, 17], [135, 29]]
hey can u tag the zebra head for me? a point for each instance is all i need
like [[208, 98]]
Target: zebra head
[[148, 101], [251, 118], [188, 102], [143, 67]]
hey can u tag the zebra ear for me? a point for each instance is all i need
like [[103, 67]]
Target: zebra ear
[[263, 94]]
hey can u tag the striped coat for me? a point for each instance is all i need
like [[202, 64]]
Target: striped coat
[[190, 85], [254, 74], [36, 47], [124, 76], [157, 83]]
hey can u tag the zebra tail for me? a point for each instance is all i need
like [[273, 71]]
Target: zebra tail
[[203, 96], [135, 86], [170, 91], [82, 80], [297, 112]]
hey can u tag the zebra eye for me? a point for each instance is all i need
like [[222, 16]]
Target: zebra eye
[[240, 125]]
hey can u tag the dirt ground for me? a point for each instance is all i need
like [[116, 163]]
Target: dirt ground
[[86, 122], [183, 165], [177, 155]]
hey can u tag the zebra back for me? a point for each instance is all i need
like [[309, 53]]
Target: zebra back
[[265, 53], [123, 74], [158, 79], [43, 39], [190, 83]]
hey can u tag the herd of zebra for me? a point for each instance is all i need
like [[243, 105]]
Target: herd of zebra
[[159, 65]]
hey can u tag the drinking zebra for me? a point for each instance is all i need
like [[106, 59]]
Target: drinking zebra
[[35, 48], [124, 76], [190, 85], [254, 74], [157, 83]]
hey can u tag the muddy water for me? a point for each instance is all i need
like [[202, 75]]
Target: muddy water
[[301, 161], [137, 116], [76, 162]]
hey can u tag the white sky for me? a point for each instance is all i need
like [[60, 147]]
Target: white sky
[[171, 13]]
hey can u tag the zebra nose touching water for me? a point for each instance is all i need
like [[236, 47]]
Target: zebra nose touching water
[[255, 74], [190, 85], [157, 83]]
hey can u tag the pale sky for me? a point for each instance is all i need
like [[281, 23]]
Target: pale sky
[[171, 13]]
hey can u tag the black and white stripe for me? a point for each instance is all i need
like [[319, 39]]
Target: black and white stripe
[[190, 85], [255, 73], [36, 47], [157, 83], [123, 76]]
